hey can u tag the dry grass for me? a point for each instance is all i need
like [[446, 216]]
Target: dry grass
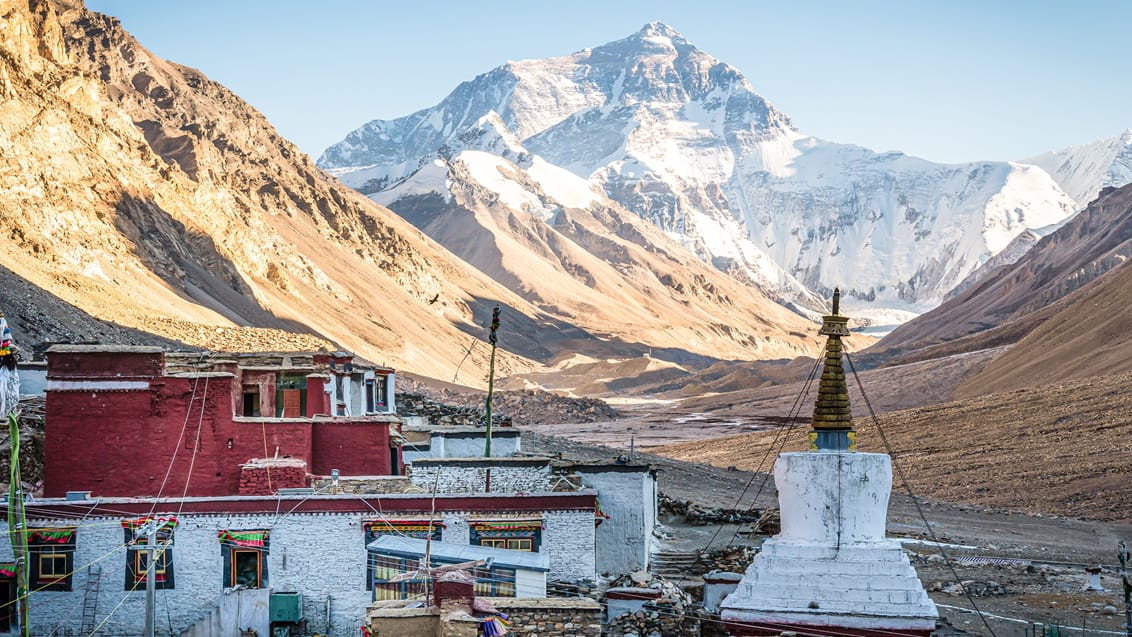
[[1060, 449]]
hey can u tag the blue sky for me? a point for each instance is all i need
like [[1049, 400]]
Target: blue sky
[[950, 81]]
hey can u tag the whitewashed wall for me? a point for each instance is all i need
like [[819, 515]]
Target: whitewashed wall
[[319, 555], [471, 477], [628, 497]]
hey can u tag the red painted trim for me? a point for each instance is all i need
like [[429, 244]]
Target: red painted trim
[[332, 504], [741, 629]]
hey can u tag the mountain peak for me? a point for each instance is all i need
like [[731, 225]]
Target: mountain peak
[[658, 29]]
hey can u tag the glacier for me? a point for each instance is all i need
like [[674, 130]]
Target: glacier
[[683, 140]]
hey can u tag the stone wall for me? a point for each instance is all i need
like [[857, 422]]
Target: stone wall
[[568, 538], [462, 442], [552, 617], [469, 475]]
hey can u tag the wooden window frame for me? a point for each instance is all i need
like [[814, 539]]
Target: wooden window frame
[[233, 559], [230, 552], [38, 551], [509, 543]]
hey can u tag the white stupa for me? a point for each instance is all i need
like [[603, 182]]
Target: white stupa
[[831, 571]]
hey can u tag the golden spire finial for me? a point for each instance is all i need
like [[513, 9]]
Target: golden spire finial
[[833, 419]]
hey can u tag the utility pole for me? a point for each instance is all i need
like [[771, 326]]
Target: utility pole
[[150, 530], [1127, 589], [492, 338]]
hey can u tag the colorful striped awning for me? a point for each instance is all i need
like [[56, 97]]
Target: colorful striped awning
[[401, 525], [254, 539], [54, 536], [531, 524], [162, 520]]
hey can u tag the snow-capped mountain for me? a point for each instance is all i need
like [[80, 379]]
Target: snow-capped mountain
[[1083, 171], [684, 141]]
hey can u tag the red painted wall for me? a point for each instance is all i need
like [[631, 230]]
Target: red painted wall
[[354, 448], [122, 443], [122, 365]]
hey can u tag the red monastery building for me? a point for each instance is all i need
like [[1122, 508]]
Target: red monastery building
[[137, 421]]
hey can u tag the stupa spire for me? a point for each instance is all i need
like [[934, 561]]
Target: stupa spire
[[833, 419]]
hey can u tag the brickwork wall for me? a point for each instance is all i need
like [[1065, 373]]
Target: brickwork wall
[[266, 479]]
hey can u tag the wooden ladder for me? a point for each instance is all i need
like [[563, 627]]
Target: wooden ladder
[[90, 597]]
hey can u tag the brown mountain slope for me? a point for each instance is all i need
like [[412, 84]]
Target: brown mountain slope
[[601, 266], [141, 194], [1091, 335], [1012, 301], [1054, 449]]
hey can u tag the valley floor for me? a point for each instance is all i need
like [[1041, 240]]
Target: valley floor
[[1038, 577]]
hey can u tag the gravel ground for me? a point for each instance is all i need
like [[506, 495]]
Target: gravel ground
[[1042, 579]]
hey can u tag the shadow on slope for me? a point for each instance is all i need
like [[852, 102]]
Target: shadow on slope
[[189, 261], [38, 318]]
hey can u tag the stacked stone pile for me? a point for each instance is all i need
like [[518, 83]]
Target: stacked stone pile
[[527, 407], [673, 614], [731, 559], [767, 520], [575, 617], [31, 418], [444, 415]]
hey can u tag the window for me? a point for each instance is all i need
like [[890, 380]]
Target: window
[[251, 401], [139, 561], [341, 397], [418, 529], [381, 394], [511, 543], [245, 558], [514, 535], [137, 557], [246, 568], [291, 397], [371, 398], [385, 568], [52, 553], [494, 582]]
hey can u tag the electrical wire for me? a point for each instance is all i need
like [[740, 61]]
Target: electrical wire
[[65, 576], [781, 432], [780, 443], [184, 427], [899, 468]]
